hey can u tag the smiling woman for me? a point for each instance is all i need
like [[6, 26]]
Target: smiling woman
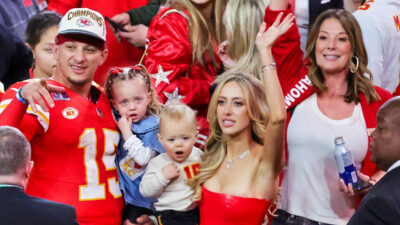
[[332, 48], [345, 104], [335, 47]]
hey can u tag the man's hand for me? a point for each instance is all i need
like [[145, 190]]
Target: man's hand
[[170, 171], [37, 92]]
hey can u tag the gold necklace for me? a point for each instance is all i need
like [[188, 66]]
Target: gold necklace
[[229, 162]]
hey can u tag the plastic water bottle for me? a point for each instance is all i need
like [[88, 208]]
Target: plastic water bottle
[[345, 164]]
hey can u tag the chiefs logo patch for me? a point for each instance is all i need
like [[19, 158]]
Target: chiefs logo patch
[[84, 22], [70, 113]]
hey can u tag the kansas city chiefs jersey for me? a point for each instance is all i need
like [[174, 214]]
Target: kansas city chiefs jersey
[[73, 149]]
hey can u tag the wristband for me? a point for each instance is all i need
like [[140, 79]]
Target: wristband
[[20, 98], [271, 66]]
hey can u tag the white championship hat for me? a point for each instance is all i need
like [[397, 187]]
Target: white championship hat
[[83, 21]]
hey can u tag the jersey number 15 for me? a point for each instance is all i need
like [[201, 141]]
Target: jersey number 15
[[93, 189]]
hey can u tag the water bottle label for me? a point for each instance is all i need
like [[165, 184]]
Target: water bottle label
[[347, 159], [354, 177], [349, 175]]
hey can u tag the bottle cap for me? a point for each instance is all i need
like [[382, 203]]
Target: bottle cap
[[339, 140]]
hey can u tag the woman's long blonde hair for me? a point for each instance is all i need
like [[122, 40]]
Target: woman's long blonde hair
[[201, 31], [242, 19], [257, 109], [356, 82]]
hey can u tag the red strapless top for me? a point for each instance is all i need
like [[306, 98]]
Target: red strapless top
[[222, 209]]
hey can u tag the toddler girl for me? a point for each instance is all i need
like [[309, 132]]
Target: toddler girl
[[136, 107]]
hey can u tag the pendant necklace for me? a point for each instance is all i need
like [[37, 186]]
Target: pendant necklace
[[229, 162]]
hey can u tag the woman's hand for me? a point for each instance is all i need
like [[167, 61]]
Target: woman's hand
[[348, 190], [225, 58], [266, 38]]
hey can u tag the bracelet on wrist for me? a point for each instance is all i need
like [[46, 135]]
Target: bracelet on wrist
[[271, 66], [371, 180], [20, 98]]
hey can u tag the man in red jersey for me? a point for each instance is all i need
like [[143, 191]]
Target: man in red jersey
[[73, 141]]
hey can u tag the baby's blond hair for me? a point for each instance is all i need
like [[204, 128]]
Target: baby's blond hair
[[177, 112]]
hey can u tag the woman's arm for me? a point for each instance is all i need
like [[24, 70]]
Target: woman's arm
[[288, 56], [278, 4], [274, 135]]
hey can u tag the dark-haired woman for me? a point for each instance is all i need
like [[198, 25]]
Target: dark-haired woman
[[344, 103]]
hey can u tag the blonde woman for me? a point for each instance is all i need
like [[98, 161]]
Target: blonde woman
[[181, 54], [244, 154], [242, 20]]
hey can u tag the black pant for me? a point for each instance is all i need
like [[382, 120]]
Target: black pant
[[132, 212], [172, 217], [285, 218]]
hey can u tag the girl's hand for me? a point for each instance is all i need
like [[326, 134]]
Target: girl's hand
[[170, 171], [225, 58], [266, 38], [124, 125]]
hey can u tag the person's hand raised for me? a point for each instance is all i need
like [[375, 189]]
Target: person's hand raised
[[266, 37], [38, 92]]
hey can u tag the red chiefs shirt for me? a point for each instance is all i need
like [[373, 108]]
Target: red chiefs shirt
[[169, 61], [292, 72], [73, 148]]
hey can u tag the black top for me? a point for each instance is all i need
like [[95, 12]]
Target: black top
[[381, 205], [16, 208]]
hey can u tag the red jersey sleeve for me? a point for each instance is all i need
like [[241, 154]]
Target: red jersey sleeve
[[288, 56], [369, 112], [169, 60], [16, 114]]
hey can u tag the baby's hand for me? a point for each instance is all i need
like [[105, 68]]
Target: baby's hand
[[170, 171]]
